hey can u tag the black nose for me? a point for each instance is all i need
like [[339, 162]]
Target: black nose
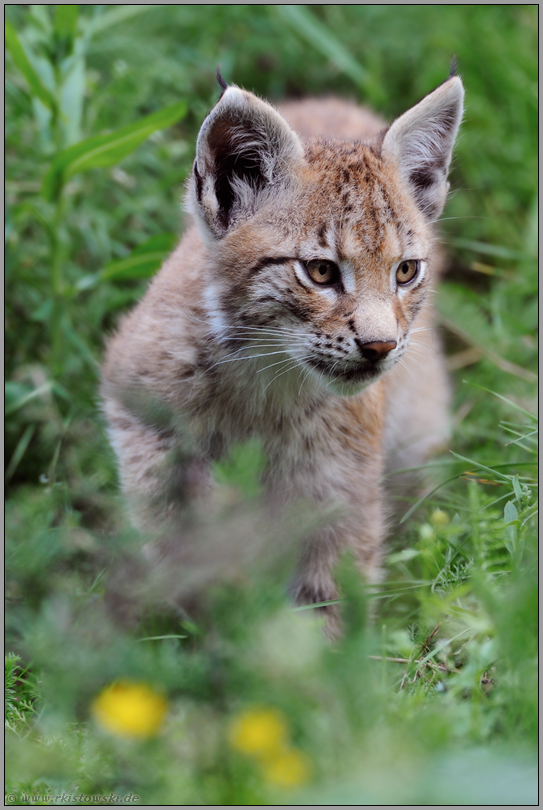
[[377, 350]]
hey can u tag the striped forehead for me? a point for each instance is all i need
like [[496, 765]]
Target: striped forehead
[[368, 231], [366, 216]]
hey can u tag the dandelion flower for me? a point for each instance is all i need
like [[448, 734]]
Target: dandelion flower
[[288, 768], [130, 710], [258, 732]]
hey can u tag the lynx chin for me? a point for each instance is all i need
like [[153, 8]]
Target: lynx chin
[[295, 309]]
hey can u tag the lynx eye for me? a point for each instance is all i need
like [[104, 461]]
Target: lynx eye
[[322, 271], [407, 271]]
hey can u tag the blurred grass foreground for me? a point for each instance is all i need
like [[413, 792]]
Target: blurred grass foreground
[[113, 696]]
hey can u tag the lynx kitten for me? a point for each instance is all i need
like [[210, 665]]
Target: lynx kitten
[[287, 312]]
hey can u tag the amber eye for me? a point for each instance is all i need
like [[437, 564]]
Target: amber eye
[[322, 271], [407, 271]]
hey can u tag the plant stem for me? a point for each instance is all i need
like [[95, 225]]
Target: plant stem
[[57, 292]]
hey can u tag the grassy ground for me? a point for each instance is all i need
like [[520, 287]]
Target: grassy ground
[[435, 703]]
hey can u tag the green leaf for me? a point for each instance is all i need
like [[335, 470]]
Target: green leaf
[[510, 513], [143, 261], [120, 14], [107, 150], [141, 265], [511, 539], [402, 556], [71, 100], [66, 21], [517, 488], [22, 62], [164, 242]]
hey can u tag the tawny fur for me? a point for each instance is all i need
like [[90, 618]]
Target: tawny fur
[[233, 339]]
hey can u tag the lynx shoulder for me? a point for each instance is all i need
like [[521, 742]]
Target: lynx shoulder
[[295, 309]]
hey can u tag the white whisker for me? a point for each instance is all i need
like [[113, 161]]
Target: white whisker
[[265, 368], [405, 365], [282, 330], [248, 357], [304, 378], [255, 342], [295, 364], [423, 348]]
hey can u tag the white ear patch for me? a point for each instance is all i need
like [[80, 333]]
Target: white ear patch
[[421, 141]]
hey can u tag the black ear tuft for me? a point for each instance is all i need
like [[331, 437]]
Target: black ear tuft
[[220, 78], [453, 67], [421, 142]]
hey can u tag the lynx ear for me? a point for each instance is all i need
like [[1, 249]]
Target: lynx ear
[[244, 148], [421, 143]]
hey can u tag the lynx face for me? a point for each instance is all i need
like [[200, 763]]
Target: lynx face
[[322, 248]]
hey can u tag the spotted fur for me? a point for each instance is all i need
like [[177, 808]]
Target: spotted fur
[[235, 339]]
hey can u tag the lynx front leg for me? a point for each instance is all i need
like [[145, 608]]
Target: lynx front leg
[[340, 471], [158, 479], [360, 530]]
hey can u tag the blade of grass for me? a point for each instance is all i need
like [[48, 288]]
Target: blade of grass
[[316, 605], [491, 470], [80, 345], [20, 450], [489, 250], [121, 14], [37, 392], [532, 416], [316, 34], [428, 495], [500, 362], [23, 64], [442, 645]]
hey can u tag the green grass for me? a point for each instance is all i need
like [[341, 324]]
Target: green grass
[[434, 701]]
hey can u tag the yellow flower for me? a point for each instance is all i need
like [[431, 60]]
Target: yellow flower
[[130, 710], [258, 732], [287, 768], [262, 733], [439, 517]]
